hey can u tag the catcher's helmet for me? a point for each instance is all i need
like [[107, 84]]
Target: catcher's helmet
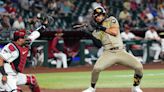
[[98, 11], [19, 34]]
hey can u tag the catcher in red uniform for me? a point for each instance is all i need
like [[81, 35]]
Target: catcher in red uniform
[[12, 61]]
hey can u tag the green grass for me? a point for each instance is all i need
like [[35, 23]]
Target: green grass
[[107, 79]]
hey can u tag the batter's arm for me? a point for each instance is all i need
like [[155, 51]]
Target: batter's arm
[[113, 30]]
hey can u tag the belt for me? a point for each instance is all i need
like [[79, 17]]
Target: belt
[[114, 48]]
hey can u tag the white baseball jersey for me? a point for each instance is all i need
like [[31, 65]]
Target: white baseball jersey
[[127, 36], [151, 35]]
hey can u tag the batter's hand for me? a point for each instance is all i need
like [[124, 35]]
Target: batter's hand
[[4, 79], [97, 26]]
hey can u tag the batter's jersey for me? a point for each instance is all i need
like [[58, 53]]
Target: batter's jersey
[[109, 41]]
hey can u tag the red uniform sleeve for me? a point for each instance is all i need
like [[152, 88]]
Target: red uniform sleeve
[[54, 43]]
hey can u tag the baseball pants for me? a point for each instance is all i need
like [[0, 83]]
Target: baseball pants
[[63, 58], [109, 58]]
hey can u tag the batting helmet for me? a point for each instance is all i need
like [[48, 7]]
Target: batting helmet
[[98, 11]]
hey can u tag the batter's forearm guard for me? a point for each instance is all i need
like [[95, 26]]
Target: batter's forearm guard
[[2, 70]]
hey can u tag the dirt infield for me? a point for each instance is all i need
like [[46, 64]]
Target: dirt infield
[[89, 68]]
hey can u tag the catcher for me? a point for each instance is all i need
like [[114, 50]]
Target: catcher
[[12, 61], [107, 33]]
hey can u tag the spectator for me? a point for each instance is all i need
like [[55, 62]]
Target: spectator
[[24, 4], [161, 11], [147, 19], [138, 1], [116, 6], [160, 18], [124, 15], [52, 7], [151, 34], [66, 7], [9, 8], [159, 22], [57, 48], [133, 5], [152, 11], [149, 14], [134, 9], [24, 7], [5, 22], [19, 23], [126, 5]]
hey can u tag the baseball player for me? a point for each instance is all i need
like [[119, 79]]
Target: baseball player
[[107, 32], [12, 61]]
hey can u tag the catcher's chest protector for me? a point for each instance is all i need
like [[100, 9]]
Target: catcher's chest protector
[[20, 62]]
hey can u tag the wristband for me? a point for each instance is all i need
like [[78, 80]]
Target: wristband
[[98, 26], [102, 28]]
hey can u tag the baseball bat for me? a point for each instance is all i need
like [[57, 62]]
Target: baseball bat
[[80, 26]]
